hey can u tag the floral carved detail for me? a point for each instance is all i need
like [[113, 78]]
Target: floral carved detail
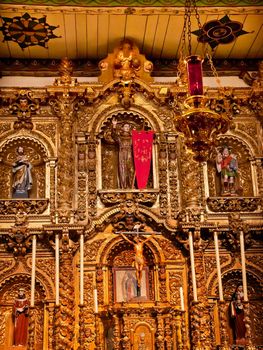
[[82, 182], [169, 250], [257, 260], [210, 264], [47, 266], [175, 281], [91, 166], [148, 197], [173, 179], [11, 207], [19, 240], [91, 250], [219, 204], [49, 129], [5, 265], [24, 107], [124, 258], [163, 177], [4, 127]]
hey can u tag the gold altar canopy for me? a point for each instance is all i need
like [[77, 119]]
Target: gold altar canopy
[[89, 261]]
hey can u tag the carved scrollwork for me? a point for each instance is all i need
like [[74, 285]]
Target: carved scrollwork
[[32, 206], [108, 198], [230, 204]]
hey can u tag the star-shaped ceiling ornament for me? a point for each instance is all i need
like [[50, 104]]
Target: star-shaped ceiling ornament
[[223, 31], [27, 31]]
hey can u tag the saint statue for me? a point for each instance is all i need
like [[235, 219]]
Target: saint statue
[[22, 178], [123, 138], [20, 312], [226, 164], [237, 314]]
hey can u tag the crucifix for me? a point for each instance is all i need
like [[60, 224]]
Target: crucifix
[[138, 242]]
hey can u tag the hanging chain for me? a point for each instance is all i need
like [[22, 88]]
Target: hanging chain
[[214, 71]]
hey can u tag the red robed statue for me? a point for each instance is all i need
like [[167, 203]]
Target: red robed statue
[[20, 312], [142, 152]]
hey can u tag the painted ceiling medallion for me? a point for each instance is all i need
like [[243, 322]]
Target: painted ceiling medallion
[[223, 31], [27, 31]]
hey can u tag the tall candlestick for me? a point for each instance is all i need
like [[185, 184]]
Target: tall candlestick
[[243, 265], [57, 267], [95, 294], [182, 298], [192, 259], [33, 272], [220, 288], [81, 269]]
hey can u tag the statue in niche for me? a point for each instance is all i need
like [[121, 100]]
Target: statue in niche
[[126, 62], [227, 167], [22, 178], [237, 315], [20, 313], [123, 138]]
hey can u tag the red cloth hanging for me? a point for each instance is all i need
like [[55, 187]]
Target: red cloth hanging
[[142, 153]]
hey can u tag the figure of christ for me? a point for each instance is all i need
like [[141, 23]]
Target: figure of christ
[[139, 259]]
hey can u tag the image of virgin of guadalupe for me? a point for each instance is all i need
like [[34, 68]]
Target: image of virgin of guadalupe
[[22, 178]]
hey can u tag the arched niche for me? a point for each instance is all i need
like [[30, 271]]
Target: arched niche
[[8, 292], [143, 336], [120, 261], [230, 280], [245, 179], [110, 150], [37, 156]]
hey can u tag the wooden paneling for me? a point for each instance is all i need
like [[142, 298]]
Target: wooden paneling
[[158, 35]]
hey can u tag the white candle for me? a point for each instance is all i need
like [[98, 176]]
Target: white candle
[[33, 274], [57, 267], [81, 269], [243, 264], [182, 298], [192, 259], [220, 288], [95, 293]]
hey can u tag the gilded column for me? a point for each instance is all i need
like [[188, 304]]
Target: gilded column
[[65, 314], [199, 311], [32, 328]]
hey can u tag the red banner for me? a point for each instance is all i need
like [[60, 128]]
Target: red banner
[[142, 152]]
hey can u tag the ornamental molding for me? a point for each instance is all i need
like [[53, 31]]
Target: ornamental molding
[[236, 204], [110, 198], [150, 7], [13, 206]]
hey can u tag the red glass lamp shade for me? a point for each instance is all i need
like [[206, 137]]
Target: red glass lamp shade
[[195, 75]]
